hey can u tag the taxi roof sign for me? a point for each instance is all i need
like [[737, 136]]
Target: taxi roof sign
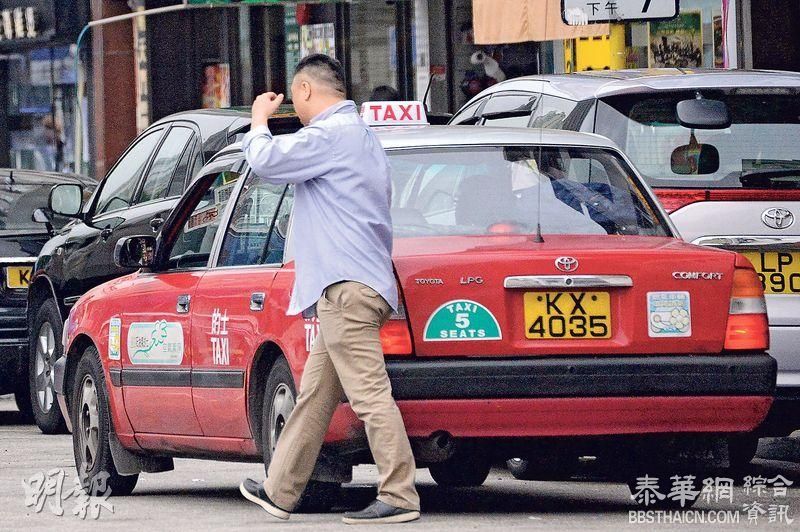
[[409, 113]]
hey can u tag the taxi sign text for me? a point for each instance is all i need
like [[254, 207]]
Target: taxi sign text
[[393, 113]]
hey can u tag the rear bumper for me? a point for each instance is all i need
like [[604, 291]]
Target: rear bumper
[[567, 417], [600, 376], [576, 396]]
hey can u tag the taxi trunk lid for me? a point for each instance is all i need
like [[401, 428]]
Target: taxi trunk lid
[[502, 295]]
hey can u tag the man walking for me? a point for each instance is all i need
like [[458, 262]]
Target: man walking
[[342, 238]]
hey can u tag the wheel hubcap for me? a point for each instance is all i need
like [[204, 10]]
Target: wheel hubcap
[[45, 359], [282, 406], [88, 428]]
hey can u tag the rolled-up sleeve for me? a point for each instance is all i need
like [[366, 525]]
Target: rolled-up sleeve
[[293, 158]]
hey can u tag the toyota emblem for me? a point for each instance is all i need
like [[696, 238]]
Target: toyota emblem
[[777, 218], [567, 264]]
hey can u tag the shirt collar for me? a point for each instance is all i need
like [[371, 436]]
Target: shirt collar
[[346, 106]]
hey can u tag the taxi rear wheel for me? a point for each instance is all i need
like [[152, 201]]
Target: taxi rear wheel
[[45, 349], [91, 427], [467, 467], [279, 401]]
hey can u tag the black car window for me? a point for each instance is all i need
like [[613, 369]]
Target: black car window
[[120, 184], [179, 180], [552, 112], [512, 110], [250, 225], [192, 246], [157, 182]]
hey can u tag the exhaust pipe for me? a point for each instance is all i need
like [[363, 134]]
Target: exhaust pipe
[[437, 448]]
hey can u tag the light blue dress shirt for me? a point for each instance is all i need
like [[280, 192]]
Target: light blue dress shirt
[[341, 225]]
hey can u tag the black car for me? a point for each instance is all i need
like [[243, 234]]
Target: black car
[[22, 193], [136, 196]]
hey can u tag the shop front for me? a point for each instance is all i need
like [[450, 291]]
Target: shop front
[[38, 97]]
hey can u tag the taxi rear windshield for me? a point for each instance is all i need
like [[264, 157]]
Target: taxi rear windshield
[[758, 151], [510, 189]]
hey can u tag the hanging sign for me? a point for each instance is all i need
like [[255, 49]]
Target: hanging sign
[[581, 12]]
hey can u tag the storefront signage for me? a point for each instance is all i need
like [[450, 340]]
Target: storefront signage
[[25, 21], [580, 12]]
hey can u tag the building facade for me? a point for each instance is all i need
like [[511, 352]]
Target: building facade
[[133, 72]]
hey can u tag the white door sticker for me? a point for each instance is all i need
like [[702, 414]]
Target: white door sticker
[[159, 342]]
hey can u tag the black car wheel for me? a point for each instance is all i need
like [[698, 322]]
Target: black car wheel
[[92, 424], [279, 401], [464, 468], [23, 399], [741, 451], [45, 349]]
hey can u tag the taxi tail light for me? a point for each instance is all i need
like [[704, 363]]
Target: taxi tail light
[[673, 199], [396, 334], [748, 327]]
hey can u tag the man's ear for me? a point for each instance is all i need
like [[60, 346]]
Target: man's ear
[[306, 89]]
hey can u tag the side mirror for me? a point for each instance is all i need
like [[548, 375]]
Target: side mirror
[[700, 113], [694, 159], [135, 252], [41, 217], [66, 199]]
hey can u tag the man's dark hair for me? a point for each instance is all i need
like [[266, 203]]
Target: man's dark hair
[[324, 69], [384, 93]]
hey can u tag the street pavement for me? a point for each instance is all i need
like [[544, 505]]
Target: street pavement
[[203, 495]]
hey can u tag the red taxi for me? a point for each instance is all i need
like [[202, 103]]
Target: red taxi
[[547, 307]]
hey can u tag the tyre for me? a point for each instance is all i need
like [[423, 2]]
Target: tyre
[[741, 450], [23, 399], [279, 401], [91, 423], [45, 349], [464, 468]]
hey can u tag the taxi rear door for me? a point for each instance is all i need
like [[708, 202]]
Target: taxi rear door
[[233, 312]]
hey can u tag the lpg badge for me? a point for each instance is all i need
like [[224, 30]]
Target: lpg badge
[[459, 320]]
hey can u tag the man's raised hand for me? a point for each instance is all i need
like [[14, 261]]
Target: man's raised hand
[[264, 107]]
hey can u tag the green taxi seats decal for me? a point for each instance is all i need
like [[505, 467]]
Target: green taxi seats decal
[[461, 319]]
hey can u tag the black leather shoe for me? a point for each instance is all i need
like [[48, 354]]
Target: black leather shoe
[[253, 491], [379, 512]]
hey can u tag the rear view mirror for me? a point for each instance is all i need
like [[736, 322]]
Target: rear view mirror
[[703, 114], [694, 159], [135, 252], [66, 199]]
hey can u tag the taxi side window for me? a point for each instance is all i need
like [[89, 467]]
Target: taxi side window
[[254, 217], [192, 246]]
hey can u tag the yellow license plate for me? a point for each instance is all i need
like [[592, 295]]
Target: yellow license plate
[[18, 276], [779, 271], [567, 315]]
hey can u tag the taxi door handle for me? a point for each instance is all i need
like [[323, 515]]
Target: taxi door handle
[[184, 300], [105, 234], [257, 301], [156, 223]]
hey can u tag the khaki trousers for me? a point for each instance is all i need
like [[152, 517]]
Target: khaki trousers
[[346, 357]]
